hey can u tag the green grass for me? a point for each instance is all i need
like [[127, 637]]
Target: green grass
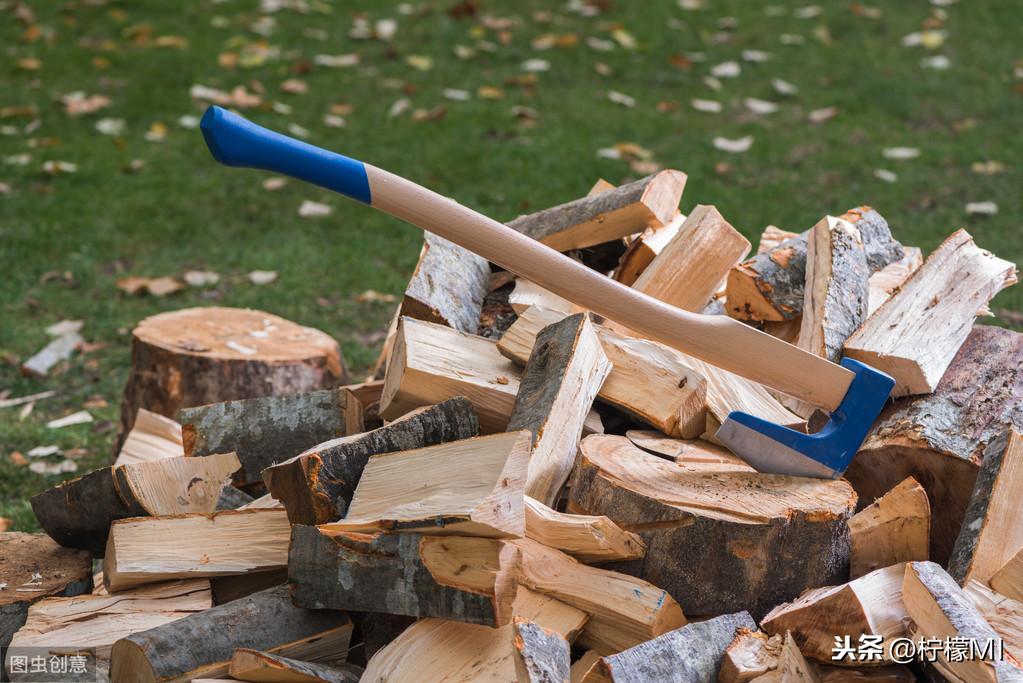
[[182, 211]]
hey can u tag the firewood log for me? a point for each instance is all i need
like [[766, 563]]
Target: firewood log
[[717, 541], [940, 440], [642, 250], [590, 539], [202, 644], [148, 549], [565, 370], [471, 487], [771, 237], [887, 281], [916, 333], [448, 285], [689, 453], [197, 356], [152, 437], [263, 667], [527, 294], [1008, 579], [543, 654], [316, 486], [264, 430], [606, 216], [449, 577], [754, 657], [585, 668], [33, 567], [895, 528], [79, 512], [362, 406], [1005, 615]]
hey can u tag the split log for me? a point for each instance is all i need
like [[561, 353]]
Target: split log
[[79, 512], [689, 453], [624, 611], [559, 383], [448, 285], [470, 488], [642, 250], [691, 267], [691, 654], [201, 645], [1008, 579], [991, 531], [197, 356], [771, 237], [33, 567], [770, 285], [754, 657], [887, 281], [527, 294], [543, 655], [449, 577], [582, 667], [316, 486], [252, 665], [940, 609], [916, 333], [440, 651], [152, 437], [606, 216], [362, 406], [148, 549], [717, 541], [264, 430], [431, 363], [1005, 615], [870, 605], [647, 380], [588, 538], [893, 529], [941, 440]]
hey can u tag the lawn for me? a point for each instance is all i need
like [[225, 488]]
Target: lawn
[[502, 105]]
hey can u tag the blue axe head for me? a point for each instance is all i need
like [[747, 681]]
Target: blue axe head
[[826, 454]]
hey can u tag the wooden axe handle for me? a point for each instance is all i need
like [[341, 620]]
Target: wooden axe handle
[[716, 339]]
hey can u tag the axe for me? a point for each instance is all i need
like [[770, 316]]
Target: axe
[[852, 393]]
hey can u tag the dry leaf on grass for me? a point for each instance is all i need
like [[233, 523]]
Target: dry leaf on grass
[[726, 70], [982, 208], [758, 106], [201, 278], [311, 209], [262, 277], [81, 417], [736, 146], [885, 175], [275, 183], [901, 153], [78, 103], [373, 296]]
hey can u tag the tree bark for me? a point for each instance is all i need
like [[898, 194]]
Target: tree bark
[[252, 665], [543, 654], [448, 285]]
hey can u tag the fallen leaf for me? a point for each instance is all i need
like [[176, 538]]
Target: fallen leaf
[[334, 121], [58, 167], [275, 183], [110, 126], [59, 329], [821, 115], [987, 167], [262, 277], [901, 153], [712, 83], [43, 451], [456, 95], [602, 69], [337, 61], [177, 42], [298, 131], [708, 106], [81, 417], [29, 64], [808, 12], [158, 286], [599, 44], [399, 107], [536, 65], [691, 5], [202, 278], [937, 62], [791, 39], [783, 87], [736, 146], [373, 296], [982, 208], [760, 106], [755, 56], [295, 86], [17, 458], [621, 98], [188, 121], [489, 92], [726, 70], [420, 62], [63, 467], [385, 29], [885, 175], [31, 398], [435, 114], [157, 132], [928, 39], [624, 38], [78, 103]]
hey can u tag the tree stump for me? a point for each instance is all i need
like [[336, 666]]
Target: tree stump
[[197, 356]]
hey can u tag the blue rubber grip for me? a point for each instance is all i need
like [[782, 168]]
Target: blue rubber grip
[[235, 141]]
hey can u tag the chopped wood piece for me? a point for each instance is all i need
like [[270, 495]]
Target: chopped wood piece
[[448, 285], [916, 333], [587, 538], [252, 665], [895, 528], [431, 363], [770, 285], [1008, 579], [690, 268], [691, 453], [886, 281], [228, 588], [266, 501], [197, 356], [623, 610], [148, 549], [98, 621], [264, 430], [647, 380], [771, 237], [362, 405], [991, 532], [316, 486], [869, 605], [440, 651], [263, 621], [79, 512], [57, 350], [750, 655], [152, 437], [33, 567], [561, 379], [232, 498], [450, 577], [942, 439], [606, 216], [542, 654], [691, 654], [1004, 614], [940, 609], [581, 667], [712, 536], [528, 294], [642, 250], [471, 488]]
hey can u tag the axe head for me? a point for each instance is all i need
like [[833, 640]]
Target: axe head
[[826, 454]]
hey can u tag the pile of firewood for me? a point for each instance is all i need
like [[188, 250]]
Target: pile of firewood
[[526, 492]]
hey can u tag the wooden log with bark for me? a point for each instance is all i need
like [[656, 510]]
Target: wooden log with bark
[[591, 539], [642, 250], [152, 437], [148, 549], [362, 406], [265, 430], [565, 370], [1008, 579], [316, 486], [1004, 614], [608, 215], [894, 528], [201, 645], [197, 356], [717, 541], [754, 657], [941, 439], [887, 281], [264, 667], [79, 512], [916, 333], [543, 654], [769, 287], [449, 577], [448, 285], [471, 487]]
